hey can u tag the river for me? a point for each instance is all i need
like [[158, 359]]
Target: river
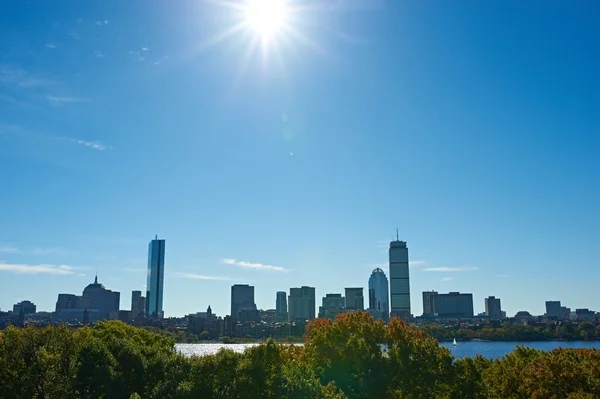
[[489, 350]]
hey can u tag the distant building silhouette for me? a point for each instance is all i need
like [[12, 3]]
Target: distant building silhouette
[[428, 303], [96, 303], [281, 311], [355, 299], [333, 304], [399, 279], [301, 303], [379, 305], [492, 308], [24, 307], [453, 304], [243, 307], [155, 279], [554, 310], [524, 316], [138, 304], [101, 299]]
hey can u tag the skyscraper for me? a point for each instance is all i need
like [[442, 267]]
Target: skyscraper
[[399, 279], [301, 303], [281, 306], [379, 304], [429, 303], [354, 299], [138, 304], [553, 309], [154, 282], [242, 299], [492, 308]]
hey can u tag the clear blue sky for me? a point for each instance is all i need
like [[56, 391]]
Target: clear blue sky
[[472, 126]]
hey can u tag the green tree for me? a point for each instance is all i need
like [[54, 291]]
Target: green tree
[[586, 330]]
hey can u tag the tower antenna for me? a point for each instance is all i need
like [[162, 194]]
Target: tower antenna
[[397, 239]]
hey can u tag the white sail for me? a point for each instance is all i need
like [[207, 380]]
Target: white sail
[[454, 343]]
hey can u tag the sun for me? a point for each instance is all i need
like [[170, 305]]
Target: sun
[[265, 17]]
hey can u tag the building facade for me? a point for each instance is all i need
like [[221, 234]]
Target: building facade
[[333, 304], [101, 299], [138, 304], [281, 310], [24, 307], [553, 309], [453, 304], [428, 303], [301, 303], [379, 303], [155, 279], [242, 302], [96, 303], [493, 309], [399, 279], [355, 299]]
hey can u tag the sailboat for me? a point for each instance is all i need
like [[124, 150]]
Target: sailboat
[[454, 343]]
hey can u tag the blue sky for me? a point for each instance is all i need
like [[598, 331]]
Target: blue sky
[[473, 127]]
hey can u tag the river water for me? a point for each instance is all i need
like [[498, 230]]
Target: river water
[[489, 350]]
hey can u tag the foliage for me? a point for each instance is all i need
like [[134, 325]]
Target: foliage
[[351, 357], [516, 332]]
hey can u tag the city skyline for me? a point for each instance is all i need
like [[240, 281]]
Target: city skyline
[[98, 302], [290, 164]]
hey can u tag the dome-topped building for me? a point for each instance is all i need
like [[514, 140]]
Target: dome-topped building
[[101, 298], [378, 295]]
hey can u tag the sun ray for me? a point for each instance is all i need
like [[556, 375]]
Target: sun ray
[[271, 31], [246, 58], [219, 38]]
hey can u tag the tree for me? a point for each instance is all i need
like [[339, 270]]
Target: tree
[[586, 330]]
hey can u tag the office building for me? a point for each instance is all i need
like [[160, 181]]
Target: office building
[[565, 313], [492, 308], [379, 305], [585, 314], [101, 298], [301, 303], [354, 299], [399, 279], [281, 312], [138, 304], [96, 303], [553, 309], [70, 301], [453, 304], [243, 307], [156, 275], [428, 303], [333, 304], [24, 307]]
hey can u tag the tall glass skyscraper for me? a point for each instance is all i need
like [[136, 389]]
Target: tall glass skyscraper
[[379, 303], [399, 279], [156, 276]]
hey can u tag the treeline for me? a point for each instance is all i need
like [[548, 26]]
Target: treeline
[[341, 359], [186, 337], [516, 332]]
